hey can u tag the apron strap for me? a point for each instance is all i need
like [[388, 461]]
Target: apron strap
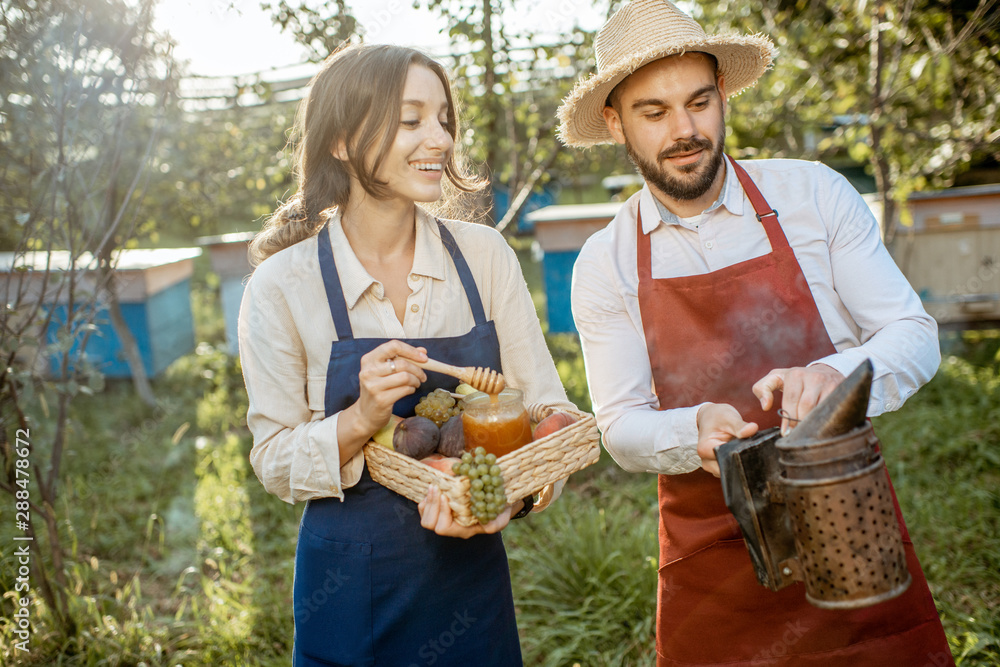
[[335, 291], [765, 214], [468, 282], [643, 258]]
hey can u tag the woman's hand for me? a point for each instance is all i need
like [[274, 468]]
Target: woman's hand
[[387, 375], [717, 424], [435, 514]]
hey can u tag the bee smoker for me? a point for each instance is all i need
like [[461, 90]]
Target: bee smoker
[[816, 506]]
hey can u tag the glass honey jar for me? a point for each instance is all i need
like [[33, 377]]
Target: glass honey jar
[[496, 422]]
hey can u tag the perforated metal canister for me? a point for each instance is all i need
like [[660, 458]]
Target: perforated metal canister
[[846, 531]]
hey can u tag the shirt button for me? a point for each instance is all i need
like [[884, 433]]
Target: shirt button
[[414, 308], [709, 244]]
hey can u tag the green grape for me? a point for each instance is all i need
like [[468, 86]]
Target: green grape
[[438, 406], [486, 491]]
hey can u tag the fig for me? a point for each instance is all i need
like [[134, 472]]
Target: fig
[[553, 423], [452, 437], [416, 437]]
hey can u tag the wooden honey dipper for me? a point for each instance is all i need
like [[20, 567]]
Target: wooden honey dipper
[[482, 379]]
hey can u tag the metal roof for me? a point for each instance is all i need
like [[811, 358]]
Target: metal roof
[[575, 212], [965, 191], [135, 259]]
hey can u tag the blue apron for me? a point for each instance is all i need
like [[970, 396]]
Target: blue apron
[[373, 587]]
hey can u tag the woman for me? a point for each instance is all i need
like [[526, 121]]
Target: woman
[[355, 285]]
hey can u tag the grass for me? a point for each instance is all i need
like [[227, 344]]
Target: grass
[[943, 451], [584, 574], [179, 557]]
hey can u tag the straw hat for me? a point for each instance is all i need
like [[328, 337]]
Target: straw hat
[[639, 33]]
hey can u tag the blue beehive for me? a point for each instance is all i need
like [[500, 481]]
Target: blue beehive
[[536, 200], [154, 292], [561, 231], [228, 255]]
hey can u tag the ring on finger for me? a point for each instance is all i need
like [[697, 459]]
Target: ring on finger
[[392, 366]]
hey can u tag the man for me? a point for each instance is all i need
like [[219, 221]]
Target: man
[[696, 306]]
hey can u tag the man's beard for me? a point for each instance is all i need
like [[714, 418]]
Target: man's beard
[[683, 189]]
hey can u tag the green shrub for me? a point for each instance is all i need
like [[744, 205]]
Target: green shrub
[[584, 575]]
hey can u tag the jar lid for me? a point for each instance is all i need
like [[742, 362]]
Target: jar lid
[[508, 395]]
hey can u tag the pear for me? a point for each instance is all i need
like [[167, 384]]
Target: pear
[[384, 435]]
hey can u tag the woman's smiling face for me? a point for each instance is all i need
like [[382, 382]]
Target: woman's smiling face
[[414, 166]]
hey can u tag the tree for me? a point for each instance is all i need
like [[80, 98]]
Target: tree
[[912, 87], [322, 29], [509, 86], [218, 171], [83, 89]]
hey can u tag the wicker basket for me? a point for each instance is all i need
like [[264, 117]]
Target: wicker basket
[[525, 471]]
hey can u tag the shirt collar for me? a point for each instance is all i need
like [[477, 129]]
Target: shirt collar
[[653, 212], [428, 256]]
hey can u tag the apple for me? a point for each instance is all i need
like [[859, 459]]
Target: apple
[[442, 463], [552, 423]]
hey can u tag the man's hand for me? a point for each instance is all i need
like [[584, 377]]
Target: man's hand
[[802, 390], [718, 424]]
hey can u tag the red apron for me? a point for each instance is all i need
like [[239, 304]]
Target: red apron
[[710, 337]]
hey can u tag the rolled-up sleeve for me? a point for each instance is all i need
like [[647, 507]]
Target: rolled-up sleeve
[[639, 436], [295, 452]]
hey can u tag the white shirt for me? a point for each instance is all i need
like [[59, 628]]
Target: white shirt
[[285, 330], [866, 304]]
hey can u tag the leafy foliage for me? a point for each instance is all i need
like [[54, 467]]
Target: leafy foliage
[[81, 87], [321, 31], [511, 86], [911, 87], [590, 597], [220, 171]]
